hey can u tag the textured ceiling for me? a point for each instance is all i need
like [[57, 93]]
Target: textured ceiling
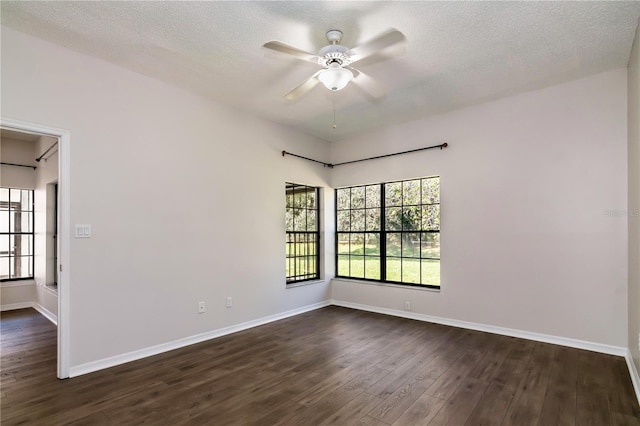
[[457, 53]]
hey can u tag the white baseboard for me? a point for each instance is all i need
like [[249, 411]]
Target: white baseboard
[[14, 306], [38, 307], [546, 338], [633, 372], [46, 313], [92, 366]]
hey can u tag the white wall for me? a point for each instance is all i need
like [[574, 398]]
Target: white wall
[[185, 198], [526, 182], [634, 198], [17, 152]]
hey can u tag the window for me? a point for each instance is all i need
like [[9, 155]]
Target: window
[[303, 236], [16, 234], [390, 232]]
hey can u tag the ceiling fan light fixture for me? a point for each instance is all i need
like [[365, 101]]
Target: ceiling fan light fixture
[[335, 77]]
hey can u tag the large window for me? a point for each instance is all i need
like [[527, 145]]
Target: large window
[[16, 234], [303, 236], [390, 232]]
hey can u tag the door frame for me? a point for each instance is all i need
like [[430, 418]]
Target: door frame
[[64, 204]]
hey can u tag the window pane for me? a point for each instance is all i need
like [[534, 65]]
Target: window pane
[[393, 244], [25, 200], [411, 218], [411, 244], [393, 269], [357, 197], [393, 219], [343, 196], [357, 266], [343, 243], [21, 245], [372, 244], [431, 272], [373, 196], [357, 244], [344, 220], [431, 244], [290, 270], [19, 221], [311, 198], [301, 267], [301, 246], [312, 224], [411, 271], [411, 192], [4, 198], [299, 220], [393, 194], [343, 265], [311, 265], [289, 197], [14, 197], [299, 197], [288, 216], [311, 248], [372, 268], [431, 217], [4, 221], [4, 268], [4, 245], [373, 220], [431, 190], [22, 267], [357, 220]]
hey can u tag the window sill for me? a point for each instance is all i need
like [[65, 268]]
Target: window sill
[[304, 283], [384, 284], [17, 283]]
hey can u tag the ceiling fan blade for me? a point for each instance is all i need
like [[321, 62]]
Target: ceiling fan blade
[[368, 84], [303, 88], [290, 50], [376, 45]]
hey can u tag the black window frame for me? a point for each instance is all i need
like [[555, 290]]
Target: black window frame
[[302, 244], [9, 208], [423, 233]]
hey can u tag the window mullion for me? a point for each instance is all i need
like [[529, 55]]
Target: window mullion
[[383, 235]]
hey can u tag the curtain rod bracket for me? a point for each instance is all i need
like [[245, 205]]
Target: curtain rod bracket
[[45, 153]]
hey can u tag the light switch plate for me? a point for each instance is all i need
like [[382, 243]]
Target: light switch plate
[[83, 231]]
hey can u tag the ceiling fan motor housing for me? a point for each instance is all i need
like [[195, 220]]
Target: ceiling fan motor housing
[[334, 53]]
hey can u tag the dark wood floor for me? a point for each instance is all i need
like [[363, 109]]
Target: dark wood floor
[[329, 366]]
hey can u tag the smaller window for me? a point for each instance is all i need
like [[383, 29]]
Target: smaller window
[[303, 236], [16, 234]]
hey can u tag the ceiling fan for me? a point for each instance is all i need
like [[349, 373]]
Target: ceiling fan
[[336, 61]]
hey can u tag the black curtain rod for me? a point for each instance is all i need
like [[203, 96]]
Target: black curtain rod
[[443, 145], [18, 165], [45, 153]]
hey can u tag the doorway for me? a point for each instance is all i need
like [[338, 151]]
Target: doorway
[[59, 268]]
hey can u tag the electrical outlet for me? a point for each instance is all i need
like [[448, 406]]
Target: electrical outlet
[[201, 307], [229, 302], [407, 305]]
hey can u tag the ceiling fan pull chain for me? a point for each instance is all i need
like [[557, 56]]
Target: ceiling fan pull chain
[[334, 115]]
